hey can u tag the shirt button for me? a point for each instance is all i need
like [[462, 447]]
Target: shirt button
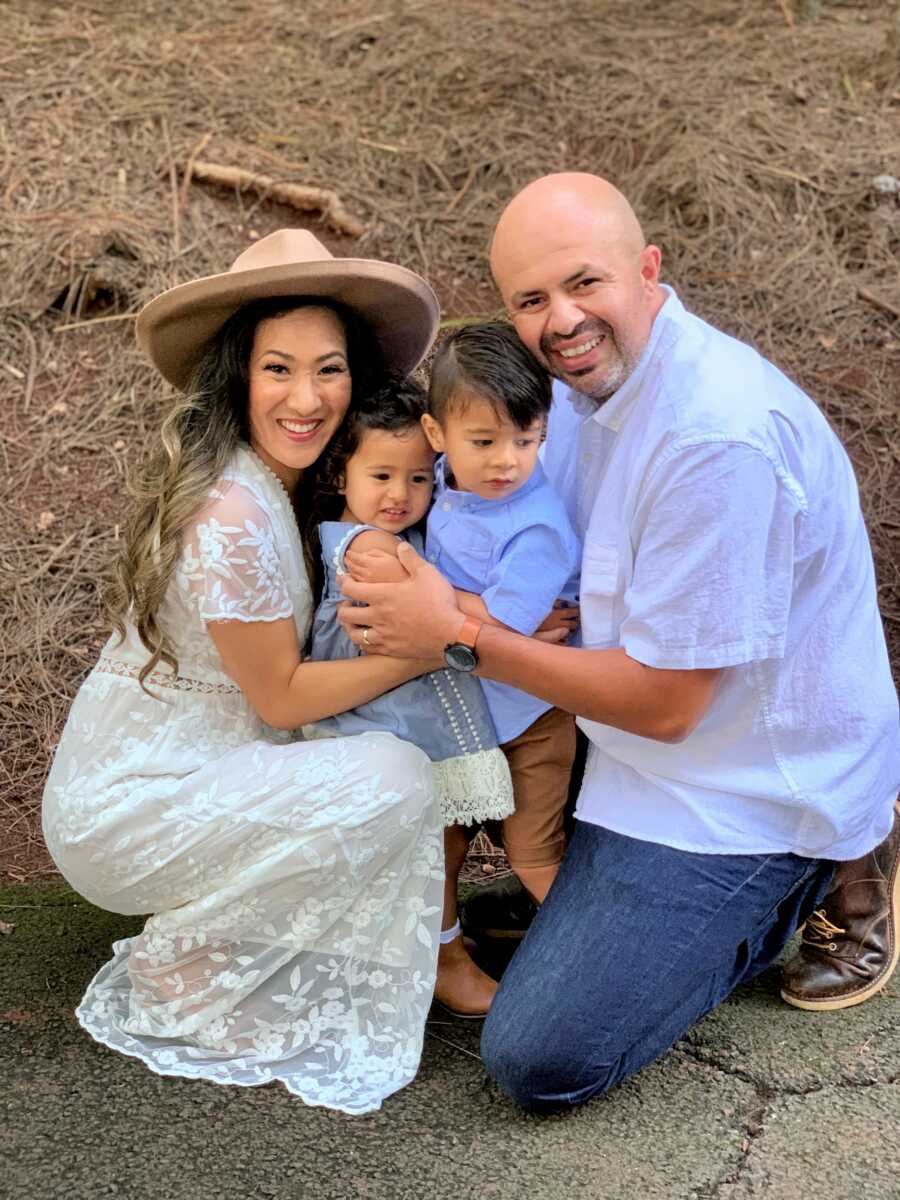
[[587, 456], [432, 557], [446, 506]]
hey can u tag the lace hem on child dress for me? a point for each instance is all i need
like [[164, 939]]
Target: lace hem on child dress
[[474, 787], [443, 712]]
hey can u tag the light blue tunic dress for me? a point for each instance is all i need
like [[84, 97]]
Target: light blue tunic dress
[[443, 713]]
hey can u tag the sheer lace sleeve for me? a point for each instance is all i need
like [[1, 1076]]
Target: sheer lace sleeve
[[230, 563]]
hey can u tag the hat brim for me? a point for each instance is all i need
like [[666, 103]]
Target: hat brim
[[398, 305]]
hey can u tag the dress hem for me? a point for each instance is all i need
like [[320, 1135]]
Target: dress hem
[[174, 1072]]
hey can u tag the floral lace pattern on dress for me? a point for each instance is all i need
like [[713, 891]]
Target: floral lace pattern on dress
[[230, 562], [296, 887]]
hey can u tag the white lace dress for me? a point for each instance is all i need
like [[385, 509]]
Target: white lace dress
[[295, 886]]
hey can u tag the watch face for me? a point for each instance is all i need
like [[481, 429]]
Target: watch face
[[460, 657]]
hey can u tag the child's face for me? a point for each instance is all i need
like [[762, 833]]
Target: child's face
[[487, 453], [388, 480]]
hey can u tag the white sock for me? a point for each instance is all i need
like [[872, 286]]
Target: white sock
[[448, 935]]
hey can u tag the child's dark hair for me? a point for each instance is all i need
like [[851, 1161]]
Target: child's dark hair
[[393, 408], [396, 406], [491, 361]]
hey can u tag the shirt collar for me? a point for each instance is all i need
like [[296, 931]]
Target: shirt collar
[[472, 503], [617, 408]]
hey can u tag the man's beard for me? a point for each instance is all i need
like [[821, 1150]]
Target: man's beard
[[608, 378]]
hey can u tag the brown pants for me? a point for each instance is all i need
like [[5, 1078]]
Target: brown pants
[[540, 762]]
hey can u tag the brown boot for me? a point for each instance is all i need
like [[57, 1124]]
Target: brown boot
[[850, 944]]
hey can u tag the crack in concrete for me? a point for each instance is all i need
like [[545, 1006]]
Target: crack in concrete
[[752, 1124], [780, 1089], [766, 1097], [754, 1128]]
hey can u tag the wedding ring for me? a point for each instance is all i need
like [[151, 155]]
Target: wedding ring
[[365, 637]]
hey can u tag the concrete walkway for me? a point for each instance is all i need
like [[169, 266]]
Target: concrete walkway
[[758, 1100]]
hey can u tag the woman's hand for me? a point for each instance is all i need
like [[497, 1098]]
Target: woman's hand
[[415, 617]]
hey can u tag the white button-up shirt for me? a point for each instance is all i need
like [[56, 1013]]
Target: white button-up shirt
[[722, 528]]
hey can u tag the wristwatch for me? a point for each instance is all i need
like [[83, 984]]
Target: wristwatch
[[460, 655]]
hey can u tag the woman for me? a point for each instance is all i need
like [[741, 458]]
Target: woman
[[295, 887]]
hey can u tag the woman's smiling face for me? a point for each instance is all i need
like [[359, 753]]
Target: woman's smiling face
[[299, 389]]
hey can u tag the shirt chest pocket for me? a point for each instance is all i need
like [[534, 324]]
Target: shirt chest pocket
[[600, 596], [461, 550], [475, 544], [471, 550]]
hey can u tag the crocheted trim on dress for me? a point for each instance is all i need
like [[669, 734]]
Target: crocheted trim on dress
[[178, 683], [337, 558], [474, 787]]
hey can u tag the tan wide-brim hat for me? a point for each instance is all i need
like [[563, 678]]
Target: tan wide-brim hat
[[398, 305]]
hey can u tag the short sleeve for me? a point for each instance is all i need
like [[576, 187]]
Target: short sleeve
[[531, 571], [230, 563], [714, 560]]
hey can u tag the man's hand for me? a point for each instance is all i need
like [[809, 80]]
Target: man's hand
[[415, 617]]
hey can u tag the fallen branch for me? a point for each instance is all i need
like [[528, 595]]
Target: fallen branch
[[93, 321], [473, 170], [878, 302], [788, 13], [456, 1046], [189, 169], [173, 184], [296, 195], [43, 568]]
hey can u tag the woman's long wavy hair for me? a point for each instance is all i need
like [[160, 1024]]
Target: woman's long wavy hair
[[197, 439]]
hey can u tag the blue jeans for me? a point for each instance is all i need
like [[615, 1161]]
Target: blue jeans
[[634, 943]]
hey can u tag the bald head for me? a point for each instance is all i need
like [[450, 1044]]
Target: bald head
[[570, 205], [577, 278]]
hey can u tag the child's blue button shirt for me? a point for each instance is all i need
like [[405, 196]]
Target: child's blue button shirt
[[519, 554]]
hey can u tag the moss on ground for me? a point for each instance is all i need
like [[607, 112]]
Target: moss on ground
[[57, 941]]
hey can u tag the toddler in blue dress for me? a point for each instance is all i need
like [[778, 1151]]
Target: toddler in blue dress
[[377, 477]]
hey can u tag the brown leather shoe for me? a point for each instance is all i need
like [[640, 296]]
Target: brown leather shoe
[[850, 945]]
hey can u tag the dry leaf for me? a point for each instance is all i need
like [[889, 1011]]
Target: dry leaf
[[6, 927], [827, 341], [18, 1016], [46, 519]]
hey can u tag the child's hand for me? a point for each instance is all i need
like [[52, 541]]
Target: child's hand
[[554, 637], [563, 619], [374, 566]]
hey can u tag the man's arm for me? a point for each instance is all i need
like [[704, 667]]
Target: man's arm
[[420, 615], [602, 685]]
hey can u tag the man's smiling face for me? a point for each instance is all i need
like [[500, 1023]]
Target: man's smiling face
[[578, 283]]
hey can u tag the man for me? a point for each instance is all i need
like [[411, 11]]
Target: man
[[733, 680]]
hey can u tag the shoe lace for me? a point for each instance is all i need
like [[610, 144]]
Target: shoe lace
[[819, 929]]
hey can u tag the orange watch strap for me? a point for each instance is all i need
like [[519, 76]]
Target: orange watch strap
[[469, 631]]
